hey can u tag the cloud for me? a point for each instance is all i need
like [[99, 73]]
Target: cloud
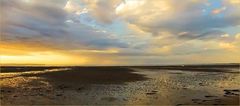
[[219, 10], [176, 17], [31, 19], [209, 35], [227, 46], [38, 23], [122, 31], [101, 10], [237, 36], [92, 38]]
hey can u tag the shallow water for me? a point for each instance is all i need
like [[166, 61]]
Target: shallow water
[[163, 87], [180, 87]]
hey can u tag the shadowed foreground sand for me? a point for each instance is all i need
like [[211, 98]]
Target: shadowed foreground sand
[[119, 85]]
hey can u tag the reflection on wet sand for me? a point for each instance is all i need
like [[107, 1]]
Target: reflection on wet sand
[[119, 85]]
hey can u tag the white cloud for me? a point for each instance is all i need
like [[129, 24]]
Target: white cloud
[[176, 17], [154, 28]]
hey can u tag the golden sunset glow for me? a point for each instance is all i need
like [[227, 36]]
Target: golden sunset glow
[[119, 52], [43, 58], [119, 32]]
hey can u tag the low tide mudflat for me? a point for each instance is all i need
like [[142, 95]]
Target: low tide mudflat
[[168, 85]]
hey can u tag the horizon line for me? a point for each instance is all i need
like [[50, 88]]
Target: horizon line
[[62, 65]]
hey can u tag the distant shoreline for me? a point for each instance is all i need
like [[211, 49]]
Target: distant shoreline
[[194, 67], [163, 65]]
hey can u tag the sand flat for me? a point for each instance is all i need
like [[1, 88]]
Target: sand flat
[[120, 86]]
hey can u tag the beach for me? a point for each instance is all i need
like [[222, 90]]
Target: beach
[[126, 85]]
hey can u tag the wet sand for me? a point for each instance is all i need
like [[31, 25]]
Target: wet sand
[[120, 86]]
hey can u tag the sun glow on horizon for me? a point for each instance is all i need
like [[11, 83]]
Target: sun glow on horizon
[[46, 58]]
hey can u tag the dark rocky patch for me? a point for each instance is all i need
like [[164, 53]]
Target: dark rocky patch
[[150, 93], [59, 95], [209, 96], [2, 90], [109, 99], [201, 84], [62, 87]]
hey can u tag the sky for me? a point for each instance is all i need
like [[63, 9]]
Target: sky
[[119, 32]]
